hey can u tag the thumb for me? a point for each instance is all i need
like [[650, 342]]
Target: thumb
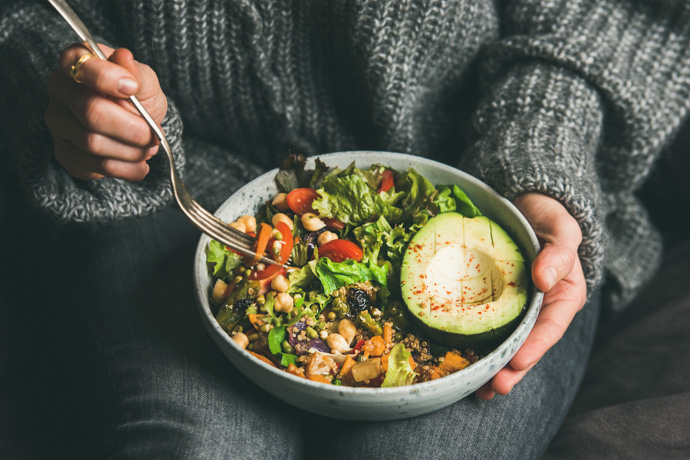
[[149, 92], [560, 234], [554, 262], [123, 57]]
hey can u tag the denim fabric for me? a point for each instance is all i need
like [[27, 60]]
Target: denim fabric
[[154, 385]]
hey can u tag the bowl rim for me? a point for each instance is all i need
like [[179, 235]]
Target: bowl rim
[[527, 320]]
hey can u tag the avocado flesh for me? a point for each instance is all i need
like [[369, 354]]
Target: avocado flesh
[[464, 281]]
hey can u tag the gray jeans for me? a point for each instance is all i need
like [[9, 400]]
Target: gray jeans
[[153, 383]]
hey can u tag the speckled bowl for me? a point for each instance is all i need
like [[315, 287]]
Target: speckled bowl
[[373, 404]]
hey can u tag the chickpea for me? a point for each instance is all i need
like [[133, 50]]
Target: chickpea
[[280, 284], [284, 303], [219, 289], [249, 222], [239, 226], [312, 223], [276, 248], [337, 343], [347, 329], [241, 339], [280, 217], [280, 202], [325, 237]]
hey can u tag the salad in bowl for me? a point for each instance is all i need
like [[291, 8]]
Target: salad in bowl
[[382, 278]]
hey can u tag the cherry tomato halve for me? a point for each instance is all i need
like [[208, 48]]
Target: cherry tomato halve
[[339, 250], [300, 199], [387, 181], [285, 251]]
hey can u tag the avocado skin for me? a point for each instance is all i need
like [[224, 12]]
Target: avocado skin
[[479, 343]]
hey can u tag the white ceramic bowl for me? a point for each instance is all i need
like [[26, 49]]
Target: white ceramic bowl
[[373, 404]]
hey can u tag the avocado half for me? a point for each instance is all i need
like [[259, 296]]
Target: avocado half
[[464, 281]]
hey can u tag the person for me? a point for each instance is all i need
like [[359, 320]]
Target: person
[[560, 106]]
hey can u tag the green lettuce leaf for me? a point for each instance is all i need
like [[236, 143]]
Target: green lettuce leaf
[[378, 239], [292, 173], [301, 279], [444, 200], [453, 198], [275, 339], [399, 373], [348, 197], [334, 275], [288, 358], [223, 259], [418, 191]]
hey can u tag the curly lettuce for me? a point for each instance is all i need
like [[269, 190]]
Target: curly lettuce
[[349, 197], [400, 372]]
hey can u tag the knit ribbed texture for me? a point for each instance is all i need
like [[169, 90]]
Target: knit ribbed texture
[[574, 99]]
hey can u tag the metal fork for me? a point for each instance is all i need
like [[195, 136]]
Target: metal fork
[[200, 217]]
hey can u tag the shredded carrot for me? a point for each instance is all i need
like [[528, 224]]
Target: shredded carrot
[[346, 368], [388, 334], [262, 241], [318, 378], [262, 358]]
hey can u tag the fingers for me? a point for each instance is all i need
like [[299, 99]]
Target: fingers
[[83, 165], [552, 264], [96, 130], [560, 234], [106, 77], [99, 114], [62, 124], [558, 273]]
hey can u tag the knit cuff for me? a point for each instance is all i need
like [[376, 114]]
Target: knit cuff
[[103, 200], [538, 131]]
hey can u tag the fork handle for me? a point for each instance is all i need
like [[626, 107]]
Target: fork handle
[[73, 20]]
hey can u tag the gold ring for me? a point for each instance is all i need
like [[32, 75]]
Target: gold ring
[[77, 65]]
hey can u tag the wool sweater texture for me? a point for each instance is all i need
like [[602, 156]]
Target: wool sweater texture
[[574, 99]]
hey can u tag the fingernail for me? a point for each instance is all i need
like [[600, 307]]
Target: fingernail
[[550, 275], [127, 86]]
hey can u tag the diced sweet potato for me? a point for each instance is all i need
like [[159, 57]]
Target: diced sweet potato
[[436, 373], [294, 370], [375, 346], [346, 368], [453, 363]]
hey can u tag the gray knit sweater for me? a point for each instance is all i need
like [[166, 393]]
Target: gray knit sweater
[[574, 99]]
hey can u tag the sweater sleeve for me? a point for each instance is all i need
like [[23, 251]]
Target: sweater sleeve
[[32, 36], [580, 98]]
